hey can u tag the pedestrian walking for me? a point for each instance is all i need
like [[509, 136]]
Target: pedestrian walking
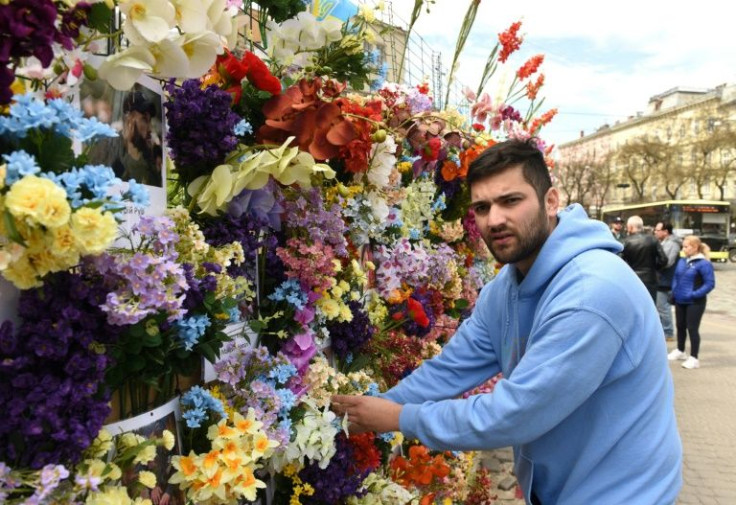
[[585, 390], [693, 280], [671, 245], [644, 254]]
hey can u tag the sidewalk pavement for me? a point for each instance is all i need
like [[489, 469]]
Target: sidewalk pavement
[[706, 414]]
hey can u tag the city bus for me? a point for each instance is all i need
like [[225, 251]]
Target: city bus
[[708, 219]]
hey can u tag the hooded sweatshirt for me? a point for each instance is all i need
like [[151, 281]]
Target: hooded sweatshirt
[[587, 396]]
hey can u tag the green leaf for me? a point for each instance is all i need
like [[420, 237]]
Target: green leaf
[[136, 363], [100, 17], [11, 230], [56, 154], [207, 351], [461, 304], [151, 340]]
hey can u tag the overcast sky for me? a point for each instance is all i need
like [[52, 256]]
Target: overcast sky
[[603, 60]]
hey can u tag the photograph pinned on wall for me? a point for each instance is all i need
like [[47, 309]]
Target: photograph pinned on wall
[[152, 424], [138, 151]]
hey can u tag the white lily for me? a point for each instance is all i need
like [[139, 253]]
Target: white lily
[[122, 69], [147, 20]]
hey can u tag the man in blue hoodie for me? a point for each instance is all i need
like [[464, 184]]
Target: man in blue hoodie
[[587, 396]]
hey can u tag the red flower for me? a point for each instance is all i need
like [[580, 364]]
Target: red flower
[[423, 88], [260, 75], [365, 453], [530, 67], [510, 41], [431, 150], [478, 127], [532, 88], [416, 312], [231, 69]]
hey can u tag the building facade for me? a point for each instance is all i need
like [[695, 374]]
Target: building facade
[[683, 146]]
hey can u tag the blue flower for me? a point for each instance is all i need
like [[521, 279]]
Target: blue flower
[[288, 400], [282, 373], [197, 402], [191, 329], [242, 128], [90, 129], [291, 292], [20, 164], [138, 194]]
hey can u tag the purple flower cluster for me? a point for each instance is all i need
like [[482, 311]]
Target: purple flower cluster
[[509, 112], [253, 234], [52, 370], [339, 481], [149, 281], [350, 336], [324, 226], [29, 29], [201, 126], [199, 287]]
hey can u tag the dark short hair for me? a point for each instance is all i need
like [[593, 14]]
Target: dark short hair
[[137, 101], [665, 226], [504, 155]]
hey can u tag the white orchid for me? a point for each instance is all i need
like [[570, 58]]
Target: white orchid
[[201, 50], [191, 15], [171, 60], [147, 21], [122, 69], [382, 162], [214, 191]]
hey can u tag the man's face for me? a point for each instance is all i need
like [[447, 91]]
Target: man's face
[[617, 225], [510, 218], [660, 232]]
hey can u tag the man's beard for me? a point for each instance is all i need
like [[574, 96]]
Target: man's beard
[[530, 238]]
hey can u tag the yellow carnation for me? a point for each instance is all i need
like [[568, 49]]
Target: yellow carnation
[[147, 478], [93, 230], [38, 200], [330, 308], [22, 274], [168, 439]]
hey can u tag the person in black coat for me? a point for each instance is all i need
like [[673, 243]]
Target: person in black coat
[[644, 254]]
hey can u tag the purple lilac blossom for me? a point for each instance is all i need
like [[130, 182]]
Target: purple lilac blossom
[[52, 371], [323, 225], [349, 337], [300, 349], [201, 125]]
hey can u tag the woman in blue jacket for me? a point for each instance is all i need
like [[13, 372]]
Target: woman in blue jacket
[[693, 280]]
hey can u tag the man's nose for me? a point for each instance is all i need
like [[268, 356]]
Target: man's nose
[[496, 217]]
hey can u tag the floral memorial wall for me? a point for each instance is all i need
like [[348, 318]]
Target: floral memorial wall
[[315, 240]]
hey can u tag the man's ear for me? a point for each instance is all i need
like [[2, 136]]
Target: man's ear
[[552, 201]]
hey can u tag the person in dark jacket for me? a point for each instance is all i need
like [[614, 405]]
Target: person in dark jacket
[[671, 244], [644, 254], [693, 280]]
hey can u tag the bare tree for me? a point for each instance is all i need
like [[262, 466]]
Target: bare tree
[[642, 159]]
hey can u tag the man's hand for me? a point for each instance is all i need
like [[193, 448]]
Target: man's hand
[[367, 413]]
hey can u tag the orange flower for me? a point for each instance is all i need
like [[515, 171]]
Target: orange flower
[[530, 67], [533, 88], [450, 170], [538, 123], [510, 41]]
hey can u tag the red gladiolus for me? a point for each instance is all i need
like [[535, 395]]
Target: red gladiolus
[[510, 41], [532, 88], [530, 67]]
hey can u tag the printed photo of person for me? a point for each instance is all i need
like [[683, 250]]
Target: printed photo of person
[[137, 151]]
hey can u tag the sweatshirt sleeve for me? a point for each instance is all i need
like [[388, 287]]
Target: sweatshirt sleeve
[[465, 362], [570, 357]]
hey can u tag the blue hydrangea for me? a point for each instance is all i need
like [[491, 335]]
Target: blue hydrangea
[[415, 234], [197, 403], [87, 184], [191, 330], [234, 315], [282, 373], [372, 389], [20, 164], [288, 400], [291, 292], [138, 194], [439, 204], [90, 129], [387, 437], [242, 128]]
